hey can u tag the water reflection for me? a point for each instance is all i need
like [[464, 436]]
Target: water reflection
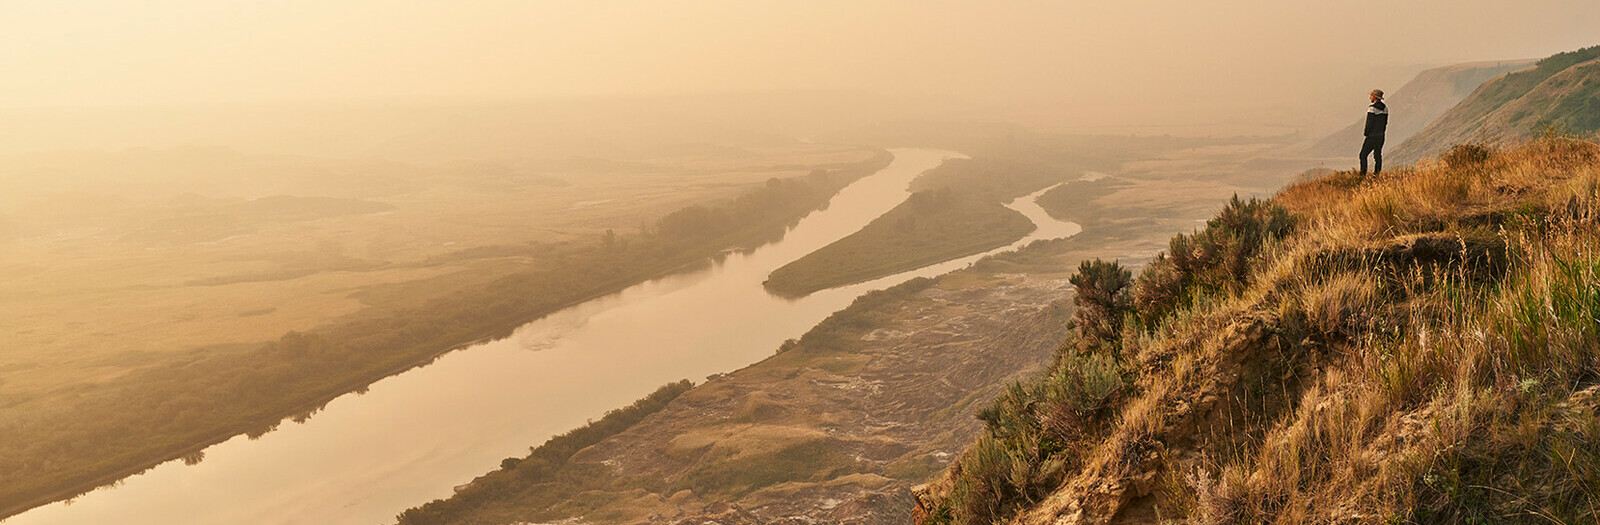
[[412, 437]]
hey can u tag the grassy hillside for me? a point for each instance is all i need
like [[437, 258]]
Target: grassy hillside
[[1418, 347], [1425, 98], [1560, 93]]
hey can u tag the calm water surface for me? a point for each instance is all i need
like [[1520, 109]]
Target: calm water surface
[[412, 437]]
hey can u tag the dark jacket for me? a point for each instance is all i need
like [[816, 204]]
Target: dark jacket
[[1377, 119]]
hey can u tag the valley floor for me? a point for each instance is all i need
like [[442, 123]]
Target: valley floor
[[838, 426]]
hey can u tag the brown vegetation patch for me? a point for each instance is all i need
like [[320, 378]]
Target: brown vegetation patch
[[1420, 347]]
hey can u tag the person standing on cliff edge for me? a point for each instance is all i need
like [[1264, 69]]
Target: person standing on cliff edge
[[1377, 123]]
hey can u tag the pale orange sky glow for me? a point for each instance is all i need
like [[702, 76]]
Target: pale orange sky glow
[[424, 262], [1144, 58]]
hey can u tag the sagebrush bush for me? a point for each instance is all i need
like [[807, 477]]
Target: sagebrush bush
[[1101, 294], [1215, 259], [1242, 228], [1079, 391], [1014, 463], [1158, 290], [1034, 433], [1466, 156]]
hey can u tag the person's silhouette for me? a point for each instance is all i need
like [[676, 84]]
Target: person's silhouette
[[1377, 123]]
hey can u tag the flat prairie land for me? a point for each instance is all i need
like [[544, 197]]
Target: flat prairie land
[[113, 261]]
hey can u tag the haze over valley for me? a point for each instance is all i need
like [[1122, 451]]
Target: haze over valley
[[822, 262]]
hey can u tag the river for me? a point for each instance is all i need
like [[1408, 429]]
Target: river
[[410, 438]]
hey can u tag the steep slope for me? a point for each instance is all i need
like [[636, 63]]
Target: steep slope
[[1425, 98], [1420, 347], [1561, 92]]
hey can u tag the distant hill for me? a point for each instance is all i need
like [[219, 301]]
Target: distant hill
[[288, 207], [1561, 92], [1426, 97]]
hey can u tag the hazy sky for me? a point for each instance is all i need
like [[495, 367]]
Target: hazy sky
[[1078, 54]]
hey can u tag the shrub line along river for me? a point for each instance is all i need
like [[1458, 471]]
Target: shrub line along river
[[410, 438]]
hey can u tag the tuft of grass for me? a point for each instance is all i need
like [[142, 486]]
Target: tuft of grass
[[1466, 157], [1345, 305]]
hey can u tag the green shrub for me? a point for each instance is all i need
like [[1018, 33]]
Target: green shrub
[[1033, 436], [998, 479], [1237, 234], [1158, 290], [1213, 260], [1103, 300]]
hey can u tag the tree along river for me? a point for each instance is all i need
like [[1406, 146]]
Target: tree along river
[[410, 438]]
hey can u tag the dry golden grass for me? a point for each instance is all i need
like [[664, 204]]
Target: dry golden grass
[[1424, 348], [1383, 436], [1343, 304]]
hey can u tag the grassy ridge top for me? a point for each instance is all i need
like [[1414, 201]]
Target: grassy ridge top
[[1422, 347]]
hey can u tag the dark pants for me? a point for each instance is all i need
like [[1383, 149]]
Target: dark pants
[[1373, 145]]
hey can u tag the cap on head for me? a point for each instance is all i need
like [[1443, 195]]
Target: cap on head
[[1377, 93]]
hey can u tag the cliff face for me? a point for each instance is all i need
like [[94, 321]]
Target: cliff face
[[1561, 93], [1425, 98], [1421, 346]]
